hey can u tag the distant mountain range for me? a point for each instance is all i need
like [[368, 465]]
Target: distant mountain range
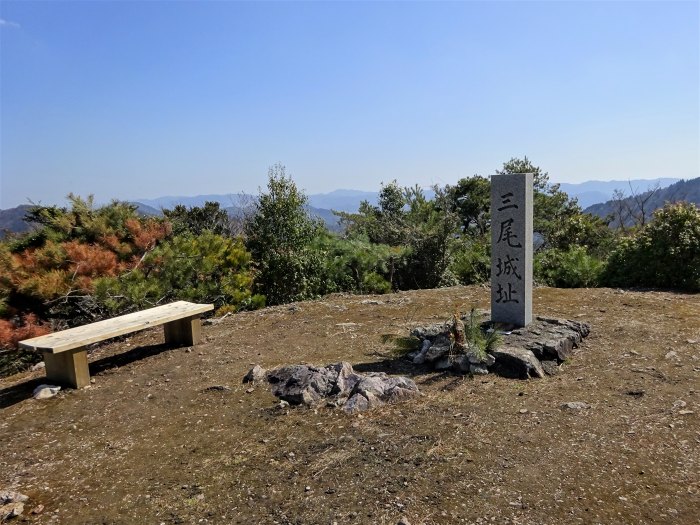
[[683, 190], [320, 204], [340, 200], [595, 191], [11, 220], [587, 193]]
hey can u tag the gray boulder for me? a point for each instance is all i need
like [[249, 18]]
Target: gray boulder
[[11, 510], [430, 331], [438, 350], [476, 358], [518, 360], [337, 385], [419, 359], [11, 504], [302, 384], [255, 375], [375, 389], [10, 496]]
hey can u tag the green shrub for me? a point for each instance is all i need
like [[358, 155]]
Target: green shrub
[[664, 253], [355, 265], [572, 268], [279, 234], [207, 268], [197, 220], [375, 283], [471, 261]]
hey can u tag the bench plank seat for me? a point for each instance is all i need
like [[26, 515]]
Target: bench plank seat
[[65, 355]]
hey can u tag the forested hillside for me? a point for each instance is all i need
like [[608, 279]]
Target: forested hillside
[[628, 209]]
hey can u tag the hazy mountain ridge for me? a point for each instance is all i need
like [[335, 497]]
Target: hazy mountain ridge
[[12, 220], [348, 200], [589, 194], [599, 191], [683, 190]]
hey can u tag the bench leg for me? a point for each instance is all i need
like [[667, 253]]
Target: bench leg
[[68, 368], [184, 332]]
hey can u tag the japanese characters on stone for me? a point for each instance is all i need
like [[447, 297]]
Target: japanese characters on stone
[[511, 249]]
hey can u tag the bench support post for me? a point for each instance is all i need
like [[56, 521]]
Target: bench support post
[[68, 368], [183, 332]]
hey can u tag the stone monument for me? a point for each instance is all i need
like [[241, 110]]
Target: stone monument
[[511, 248]]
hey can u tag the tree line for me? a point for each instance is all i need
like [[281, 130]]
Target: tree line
[[83, 263]]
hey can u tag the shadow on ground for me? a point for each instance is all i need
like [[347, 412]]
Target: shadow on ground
[[20, 391]]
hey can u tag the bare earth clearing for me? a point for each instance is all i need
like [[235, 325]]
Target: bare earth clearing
[[148, 443]]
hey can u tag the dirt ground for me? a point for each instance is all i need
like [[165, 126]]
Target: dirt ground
[[148, 443]]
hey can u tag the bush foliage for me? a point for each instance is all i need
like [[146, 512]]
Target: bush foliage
[[664, 253], [83, 263], [572, 268]]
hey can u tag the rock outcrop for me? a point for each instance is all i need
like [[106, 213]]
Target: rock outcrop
[[336, 385]]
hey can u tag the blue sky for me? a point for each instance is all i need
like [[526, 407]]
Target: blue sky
[[143, 99]]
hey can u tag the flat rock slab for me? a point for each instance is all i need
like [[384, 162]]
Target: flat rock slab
[[549, 339], [336, 385], [519, 360], [533, 351]]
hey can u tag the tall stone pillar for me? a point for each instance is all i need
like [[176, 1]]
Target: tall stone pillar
[[511, 248]]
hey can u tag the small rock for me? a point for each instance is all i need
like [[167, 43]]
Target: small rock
[[39, 366], [461, 364], [477, 358], [255, 374], [551, 368], [576, 405], [691, 341], [250, 390], [403, 521], [685, 412], [679, 403], [437, 351], [635, 393], [671, 355], [307, 488], [345, 326], [11, 510], [479, 370], [45, 391], [37, 510], [370, 301], [523, 410], [10, 496], [217, 388]]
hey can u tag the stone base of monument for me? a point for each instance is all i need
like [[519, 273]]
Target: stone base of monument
[[533, 351]]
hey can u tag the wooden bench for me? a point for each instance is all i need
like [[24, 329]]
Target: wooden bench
[[65, 353]]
